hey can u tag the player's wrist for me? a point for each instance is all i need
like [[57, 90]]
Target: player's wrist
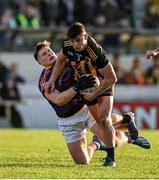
[[75, 88]]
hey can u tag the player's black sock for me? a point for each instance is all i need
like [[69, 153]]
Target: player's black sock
[[126, 119], [110, 153]]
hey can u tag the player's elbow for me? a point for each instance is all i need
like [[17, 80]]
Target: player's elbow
[[113, 79], [60, 102], [57, 100]]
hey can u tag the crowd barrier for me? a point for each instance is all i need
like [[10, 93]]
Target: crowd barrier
[[139, 37]]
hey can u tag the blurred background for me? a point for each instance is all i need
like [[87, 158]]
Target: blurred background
[[126, 29]]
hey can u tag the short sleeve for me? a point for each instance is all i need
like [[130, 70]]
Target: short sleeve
[[64, 49], [102, 59]]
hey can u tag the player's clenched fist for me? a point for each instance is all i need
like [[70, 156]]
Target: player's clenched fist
[[84, 82]]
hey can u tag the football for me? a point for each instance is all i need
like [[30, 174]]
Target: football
[[89, 90]]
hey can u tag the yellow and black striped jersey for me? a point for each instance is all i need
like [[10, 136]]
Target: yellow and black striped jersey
[[87, 61]]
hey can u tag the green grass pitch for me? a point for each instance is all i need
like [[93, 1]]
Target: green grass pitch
[[43, 154]]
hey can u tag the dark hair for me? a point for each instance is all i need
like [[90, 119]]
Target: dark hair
[[39, 46], [75, 29]]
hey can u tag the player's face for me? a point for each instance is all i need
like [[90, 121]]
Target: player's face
[[46, 56], [80, 42]]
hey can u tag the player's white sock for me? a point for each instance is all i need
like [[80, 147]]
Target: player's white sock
[[97, 144]]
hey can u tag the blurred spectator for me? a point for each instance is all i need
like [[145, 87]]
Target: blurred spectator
[[70, 11], [3, 72], [125, 7], [152, 73], [9, 91], [13, 71], [48, 11], [16, 5], [119, 70], [6, 21], [111, 16], [155, 3], [108, 14], [88, 10], [112, 42], [3, 5], [66, 10], [136, 75], [151, 18], [84, 11], [154, 78], [28, 18]]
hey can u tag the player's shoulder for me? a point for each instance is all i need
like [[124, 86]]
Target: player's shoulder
[[67, 47], [67, 43], [92, 42], [94, 46]]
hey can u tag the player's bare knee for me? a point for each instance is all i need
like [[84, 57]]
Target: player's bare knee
[[104, 122]]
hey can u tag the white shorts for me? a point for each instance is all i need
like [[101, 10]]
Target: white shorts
[[76, 126]]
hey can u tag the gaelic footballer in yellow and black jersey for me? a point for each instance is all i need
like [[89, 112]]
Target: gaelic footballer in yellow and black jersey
[[87, 61]]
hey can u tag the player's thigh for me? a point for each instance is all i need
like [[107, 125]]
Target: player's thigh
[[105, 105], [78, 151]]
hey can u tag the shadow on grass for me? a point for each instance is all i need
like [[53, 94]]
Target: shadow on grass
[[34, 165]]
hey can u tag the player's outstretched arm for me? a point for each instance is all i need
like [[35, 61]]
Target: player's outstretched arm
[[62, 98], [59, 65]]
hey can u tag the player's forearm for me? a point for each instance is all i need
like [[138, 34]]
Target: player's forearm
[[61, 98], [109, 79], [105, 85], [59, 65], [66, 96]]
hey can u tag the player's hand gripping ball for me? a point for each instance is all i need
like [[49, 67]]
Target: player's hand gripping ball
[[93, 87]]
